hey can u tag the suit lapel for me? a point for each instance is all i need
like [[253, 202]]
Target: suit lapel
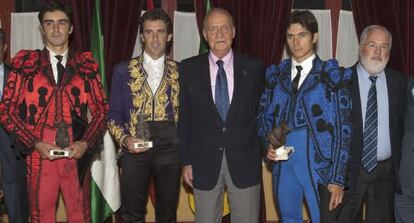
[[206, 85], [392, 88], [46, 66], [6, 74], [356, 115], [144, 77], [239, 72], [311, 79], [69, 68], [286, 78]]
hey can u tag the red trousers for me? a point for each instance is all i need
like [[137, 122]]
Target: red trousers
[[46, 178]]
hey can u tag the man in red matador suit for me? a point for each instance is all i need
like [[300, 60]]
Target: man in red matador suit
[[48, 99]]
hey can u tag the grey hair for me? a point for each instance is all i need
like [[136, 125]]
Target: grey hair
[[370, 28], [217, 10]]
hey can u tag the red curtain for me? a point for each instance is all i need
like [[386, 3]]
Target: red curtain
[[398, 17], [6, 8], [120, 21], [260, 26], [169, 6], [82, 23], [120, 27]]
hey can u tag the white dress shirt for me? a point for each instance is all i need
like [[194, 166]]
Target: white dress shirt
[[54, 61], [306, 68], [155, 71], [228, 66]]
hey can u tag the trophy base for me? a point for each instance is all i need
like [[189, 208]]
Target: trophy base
[[58, 153], [143, 145], [284, 152]]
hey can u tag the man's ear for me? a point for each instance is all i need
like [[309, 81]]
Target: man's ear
[[169, 37], [71, 29], [205, 34], [315, 37], [142, 38], [41, 29]]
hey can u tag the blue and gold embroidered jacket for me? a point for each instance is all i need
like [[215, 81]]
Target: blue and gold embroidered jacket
[[131, 96], [322, 105]]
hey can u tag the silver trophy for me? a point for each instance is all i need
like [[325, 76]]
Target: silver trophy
[[142, 131], [277, 138]]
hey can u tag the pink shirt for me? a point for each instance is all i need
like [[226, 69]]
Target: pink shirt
[[228, 67]]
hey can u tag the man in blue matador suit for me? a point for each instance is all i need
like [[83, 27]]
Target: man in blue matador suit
[[309, 95]]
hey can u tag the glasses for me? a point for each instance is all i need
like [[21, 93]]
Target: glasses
[[375, 46], [213, 30]]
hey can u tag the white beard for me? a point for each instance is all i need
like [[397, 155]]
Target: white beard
[[373, 65]]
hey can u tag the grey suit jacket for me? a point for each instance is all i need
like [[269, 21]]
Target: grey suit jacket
[[406, 170]]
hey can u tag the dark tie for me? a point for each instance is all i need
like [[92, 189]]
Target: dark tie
[[62, 134], [296, 79], [60, 69], [369, 150], [221, 91]]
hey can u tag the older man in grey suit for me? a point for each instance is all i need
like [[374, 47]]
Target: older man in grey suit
[[404, 203]]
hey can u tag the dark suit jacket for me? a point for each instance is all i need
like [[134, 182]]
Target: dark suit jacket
[[13, 164], [396, 85], [406, 170], [204, 136]]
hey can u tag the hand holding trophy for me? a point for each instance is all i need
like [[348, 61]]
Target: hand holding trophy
[[139, 139], [142, 132], [277, 137]]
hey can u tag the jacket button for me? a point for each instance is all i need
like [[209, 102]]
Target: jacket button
[[223, 129]]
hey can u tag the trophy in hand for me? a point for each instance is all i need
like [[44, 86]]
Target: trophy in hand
[[142, 131], [277, 138]]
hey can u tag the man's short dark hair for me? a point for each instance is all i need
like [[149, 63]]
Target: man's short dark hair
[[305, 19], [2, 37], [52, 6], [156, 14]]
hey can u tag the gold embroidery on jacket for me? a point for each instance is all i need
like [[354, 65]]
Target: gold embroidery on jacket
[[142, 97], [116, 131]]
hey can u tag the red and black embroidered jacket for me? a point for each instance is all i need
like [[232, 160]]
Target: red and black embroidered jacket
[[32, 101]]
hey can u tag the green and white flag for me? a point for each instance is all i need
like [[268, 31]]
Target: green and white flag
[[203, 48], [105, 189]]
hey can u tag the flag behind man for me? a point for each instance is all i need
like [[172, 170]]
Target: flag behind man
[[105, 190]]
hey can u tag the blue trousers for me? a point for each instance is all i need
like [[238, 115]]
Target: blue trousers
[[295, 179]]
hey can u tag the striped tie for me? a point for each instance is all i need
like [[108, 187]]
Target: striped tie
[[369, 150]]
